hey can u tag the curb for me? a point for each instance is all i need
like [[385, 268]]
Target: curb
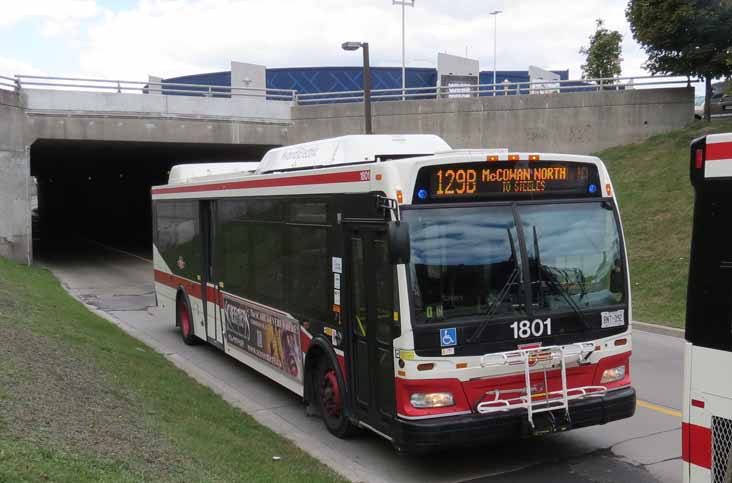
[[348, 469], [659, 329]]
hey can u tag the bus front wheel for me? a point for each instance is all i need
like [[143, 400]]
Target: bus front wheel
[[331, 400], [185, 322]]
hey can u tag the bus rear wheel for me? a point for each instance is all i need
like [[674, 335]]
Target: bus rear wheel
[[331, 401], [185, 322]]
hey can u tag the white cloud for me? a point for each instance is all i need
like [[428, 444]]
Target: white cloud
[[177, 37], [10, 67], [59, 17]]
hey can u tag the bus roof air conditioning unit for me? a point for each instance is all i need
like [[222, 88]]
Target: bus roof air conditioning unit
[[183, 173], [357, 148]]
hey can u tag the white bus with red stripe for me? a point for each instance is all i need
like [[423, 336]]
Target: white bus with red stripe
[[433, 296], [707, 412]]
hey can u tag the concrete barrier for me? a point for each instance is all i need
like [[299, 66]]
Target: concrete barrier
[[105, 116], [156, 105], [579, 123], [15, 216]]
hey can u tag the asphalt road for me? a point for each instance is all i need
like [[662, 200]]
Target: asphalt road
[[645, 448]]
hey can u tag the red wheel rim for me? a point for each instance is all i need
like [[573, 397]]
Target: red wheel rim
[[330, 394], [185, 323]]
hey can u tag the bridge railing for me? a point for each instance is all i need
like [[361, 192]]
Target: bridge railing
[[455, 91], [8, 83], [497, 89], [139, 87]]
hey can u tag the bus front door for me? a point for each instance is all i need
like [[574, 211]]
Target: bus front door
[[370, 321]]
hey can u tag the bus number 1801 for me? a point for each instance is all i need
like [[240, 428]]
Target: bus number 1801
[[525, 328]]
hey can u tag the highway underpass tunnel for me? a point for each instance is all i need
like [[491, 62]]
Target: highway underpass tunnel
[[100, 191]]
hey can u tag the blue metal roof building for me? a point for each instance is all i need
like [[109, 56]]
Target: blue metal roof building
[[313, 80]]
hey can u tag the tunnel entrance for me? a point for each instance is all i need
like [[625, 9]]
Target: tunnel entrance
[[100, 191]]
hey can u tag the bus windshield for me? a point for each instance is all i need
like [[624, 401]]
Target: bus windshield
[[467, 261]]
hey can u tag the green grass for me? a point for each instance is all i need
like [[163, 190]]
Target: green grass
[[22, 462], [203, 437], [651, 182]]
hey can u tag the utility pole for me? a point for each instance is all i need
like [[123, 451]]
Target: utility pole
[[404, 4], [495, 43]]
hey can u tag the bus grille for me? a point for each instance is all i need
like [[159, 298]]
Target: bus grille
[[721, 443]]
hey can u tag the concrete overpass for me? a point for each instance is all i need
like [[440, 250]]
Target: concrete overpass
[[95, 153]]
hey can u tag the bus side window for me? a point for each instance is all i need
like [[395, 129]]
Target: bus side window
[[234, 248], [309, 271], [178, 236], [267, 262], [236, 265]]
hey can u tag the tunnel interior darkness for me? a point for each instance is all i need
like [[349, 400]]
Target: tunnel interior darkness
[[100, 191]]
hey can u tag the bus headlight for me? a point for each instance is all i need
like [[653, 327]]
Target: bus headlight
[[612, 375], [432, 400]]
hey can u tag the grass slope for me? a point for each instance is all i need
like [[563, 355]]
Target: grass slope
[[651, 181], [82, 401]]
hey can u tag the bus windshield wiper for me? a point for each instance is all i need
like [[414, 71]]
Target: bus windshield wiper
[[550, 278], [515, 274]]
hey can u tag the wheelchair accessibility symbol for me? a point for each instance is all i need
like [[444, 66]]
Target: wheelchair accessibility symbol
[[448, 337]]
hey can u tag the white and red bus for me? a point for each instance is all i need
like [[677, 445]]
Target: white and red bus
[[430, 295], [707, 413]]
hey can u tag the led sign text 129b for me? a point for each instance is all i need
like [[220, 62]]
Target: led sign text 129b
[[476, 180]]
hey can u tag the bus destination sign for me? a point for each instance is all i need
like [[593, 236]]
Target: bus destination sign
[[500, 179]]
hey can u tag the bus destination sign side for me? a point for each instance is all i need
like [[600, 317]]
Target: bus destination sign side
[[500, 179]]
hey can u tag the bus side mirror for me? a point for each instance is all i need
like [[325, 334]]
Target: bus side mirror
[[399, 246], [617, 281]]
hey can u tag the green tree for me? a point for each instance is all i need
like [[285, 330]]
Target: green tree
[[685, 37], [603, 54]]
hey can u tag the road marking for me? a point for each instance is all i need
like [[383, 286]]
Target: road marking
[[657, 408]]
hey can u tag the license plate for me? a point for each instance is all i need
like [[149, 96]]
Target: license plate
[[613, 319]]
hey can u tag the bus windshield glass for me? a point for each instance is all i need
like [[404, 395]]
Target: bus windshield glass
[[466, 262]]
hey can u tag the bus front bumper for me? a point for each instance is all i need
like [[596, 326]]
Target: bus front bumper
[[414, 436]]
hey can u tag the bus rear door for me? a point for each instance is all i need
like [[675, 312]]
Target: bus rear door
[[210, 290]]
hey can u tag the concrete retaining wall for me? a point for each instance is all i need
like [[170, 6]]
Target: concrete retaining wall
[[579, 123], [14, 181]]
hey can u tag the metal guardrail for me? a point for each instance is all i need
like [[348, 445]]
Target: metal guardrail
[[497, 89], [413, 93], [8, 83], [139, 87]]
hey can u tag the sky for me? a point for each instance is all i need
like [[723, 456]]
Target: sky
[[131, 39]]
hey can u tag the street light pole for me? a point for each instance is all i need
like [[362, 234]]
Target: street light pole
[[366, 89], [366, 82], [404, 4], [495, 43]]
